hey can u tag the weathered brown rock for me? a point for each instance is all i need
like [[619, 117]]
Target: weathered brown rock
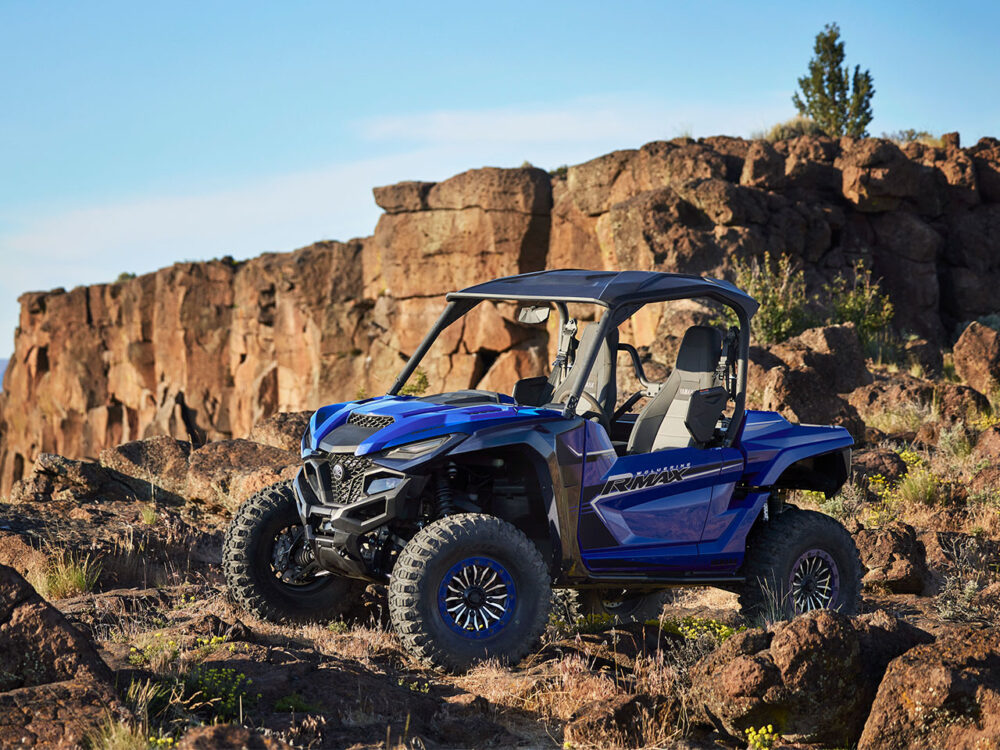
[[986, 158], [283, 430], [763, 167], [154, 466], [54, 688], [205, 351], [804, 396], [988, 445], [402, 197], [833, 352], [814, 677], [977, 357], [894, 558], [228, 737], [944, 694], [870, 462], [227, 472]]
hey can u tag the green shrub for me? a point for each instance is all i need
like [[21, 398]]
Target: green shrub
[[219, 693], [779, 286], [696, 628], [909, 135], [417, 386], [124, 276], [861, 301]]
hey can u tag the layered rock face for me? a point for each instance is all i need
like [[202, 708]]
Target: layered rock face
[[204, 351]]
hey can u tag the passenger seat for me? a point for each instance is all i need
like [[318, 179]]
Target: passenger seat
[[661, 423]]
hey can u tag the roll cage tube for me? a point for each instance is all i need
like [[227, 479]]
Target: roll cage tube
[[619, 316], [454, 310]]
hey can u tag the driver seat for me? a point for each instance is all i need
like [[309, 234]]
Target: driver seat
[[601, 383], [661, 422]]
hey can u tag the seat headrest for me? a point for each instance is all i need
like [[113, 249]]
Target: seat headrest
[[700, 349]]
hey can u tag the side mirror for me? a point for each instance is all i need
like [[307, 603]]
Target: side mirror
[[704, 409], [533, 315]]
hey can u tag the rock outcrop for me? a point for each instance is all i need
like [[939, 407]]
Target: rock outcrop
[[945, 694], [205, 351], [54, 688], [814, 676]]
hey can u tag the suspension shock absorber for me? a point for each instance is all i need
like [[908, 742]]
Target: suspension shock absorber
[[444, 494]]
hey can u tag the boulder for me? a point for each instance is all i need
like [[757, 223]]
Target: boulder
[[54, 688], [869, 462], [402, 197], [526, 190], [926, 355], [805, 396], [60, 478], [832, 352], [959, 402], [877, 177], [986, 158], [988, 445], [977, 357], [813, 678], [228, 737], [226, 472], [893, 557], [154, 467], [943, 694], [282, 430], [763, 167]]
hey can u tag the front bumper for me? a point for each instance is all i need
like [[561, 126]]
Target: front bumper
[[335, 530]]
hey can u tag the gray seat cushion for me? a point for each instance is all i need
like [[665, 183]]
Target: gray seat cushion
[[661, 423]]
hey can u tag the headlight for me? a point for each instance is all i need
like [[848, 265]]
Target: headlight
[[382, 484], [419, 448]]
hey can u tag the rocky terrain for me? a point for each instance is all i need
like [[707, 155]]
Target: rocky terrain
[[135, 644], [137, 416]]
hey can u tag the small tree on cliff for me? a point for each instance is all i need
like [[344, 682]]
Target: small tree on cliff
[[839, 102]]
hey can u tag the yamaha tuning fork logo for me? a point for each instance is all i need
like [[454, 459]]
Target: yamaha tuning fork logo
[[644, 480]]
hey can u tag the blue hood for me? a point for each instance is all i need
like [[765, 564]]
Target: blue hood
[[416, 419]]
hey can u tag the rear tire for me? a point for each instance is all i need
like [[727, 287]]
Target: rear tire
[[798, 561], [248, 555], [623, 607], [466, 588]]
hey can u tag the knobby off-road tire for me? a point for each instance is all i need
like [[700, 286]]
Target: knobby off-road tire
[[798, 561], [469, 587], [253, 583], [622, 607]]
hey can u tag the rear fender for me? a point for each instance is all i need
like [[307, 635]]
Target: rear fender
[[783, 455]]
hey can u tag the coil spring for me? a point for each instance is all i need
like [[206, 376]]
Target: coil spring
[[444, 496]]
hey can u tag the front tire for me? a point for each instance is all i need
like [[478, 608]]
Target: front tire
[[263, 542], [798, 561], [466, 588]]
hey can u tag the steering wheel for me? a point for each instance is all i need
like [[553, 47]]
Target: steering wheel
[[596, 413]]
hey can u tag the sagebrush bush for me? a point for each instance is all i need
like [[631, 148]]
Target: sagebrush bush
[[788, 129], [860, 300], [779, 286]]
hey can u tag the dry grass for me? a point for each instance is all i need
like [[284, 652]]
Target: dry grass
[[120, 735], [903, 419], [65, 574]]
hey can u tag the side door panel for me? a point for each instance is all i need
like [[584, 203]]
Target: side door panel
[[646, 512]]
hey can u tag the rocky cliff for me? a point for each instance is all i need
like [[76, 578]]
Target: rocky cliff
[[203, 351]]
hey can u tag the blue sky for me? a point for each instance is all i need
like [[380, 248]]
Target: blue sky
[[133, 135]]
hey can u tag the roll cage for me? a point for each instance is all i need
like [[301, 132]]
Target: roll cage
[[622, 294]]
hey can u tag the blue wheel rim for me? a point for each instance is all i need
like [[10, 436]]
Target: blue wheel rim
[[476, 597]]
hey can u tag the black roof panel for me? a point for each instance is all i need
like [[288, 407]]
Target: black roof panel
[[608, 288]]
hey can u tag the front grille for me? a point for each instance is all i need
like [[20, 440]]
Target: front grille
[[321, 475], [376, 421]]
